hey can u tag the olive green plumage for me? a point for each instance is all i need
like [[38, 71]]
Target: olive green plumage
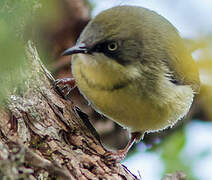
[[136, 69], [150, 39]]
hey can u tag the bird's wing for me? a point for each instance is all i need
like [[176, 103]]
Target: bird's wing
[[182, 66]]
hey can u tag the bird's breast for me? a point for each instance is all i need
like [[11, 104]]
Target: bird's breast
[[124, 104], [127, 104]]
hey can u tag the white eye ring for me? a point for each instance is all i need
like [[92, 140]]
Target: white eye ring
[[113, 46]]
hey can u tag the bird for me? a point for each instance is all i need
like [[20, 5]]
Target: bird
[[133, 67]]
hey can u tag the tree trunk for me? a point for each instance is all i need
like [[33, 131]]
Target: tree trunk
[[44, 136]]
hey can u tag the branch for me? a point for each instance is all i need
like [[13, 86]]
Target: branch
[[53, 136]]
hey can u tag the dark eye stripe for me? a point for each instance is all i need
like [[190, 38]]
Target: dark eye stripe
[[104, 47], [115, 55]]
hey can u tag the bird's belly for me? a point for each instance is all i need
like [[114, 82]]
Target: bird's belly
[[125, 107], [129, 108]]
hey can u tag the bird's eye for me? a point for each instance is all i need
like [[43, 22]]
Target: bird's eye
[[113, 46]]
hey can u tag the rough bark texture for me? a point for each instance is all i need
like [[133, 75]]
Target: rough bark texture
[[43, 135]]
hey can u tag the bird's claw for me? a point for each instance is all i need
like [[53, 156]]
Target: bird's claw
[[64, 86], [115, 157]]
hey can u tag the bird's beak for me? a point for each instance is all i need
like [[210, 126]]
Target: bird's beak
[[81, 48]]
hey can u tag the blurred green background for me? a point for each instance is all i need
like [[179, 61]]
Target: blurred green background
[[14, 15]]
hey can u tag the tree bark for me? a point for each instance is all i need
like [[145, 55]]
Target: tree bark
[[45, 136]]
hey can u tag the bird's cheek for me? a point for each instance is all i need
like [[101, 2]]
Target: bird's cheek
[[85, 59]]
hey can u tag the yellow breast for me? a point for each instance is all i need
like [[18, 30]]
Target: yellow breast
[[126, 105]]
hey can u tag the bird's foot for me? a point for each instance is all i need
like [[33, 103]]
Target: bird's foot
[[64, 86], [115, 157], [120, 154]]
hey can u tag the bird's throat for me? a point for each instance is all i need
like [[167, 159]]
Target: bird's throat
[[101, 75], [100, 86]]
